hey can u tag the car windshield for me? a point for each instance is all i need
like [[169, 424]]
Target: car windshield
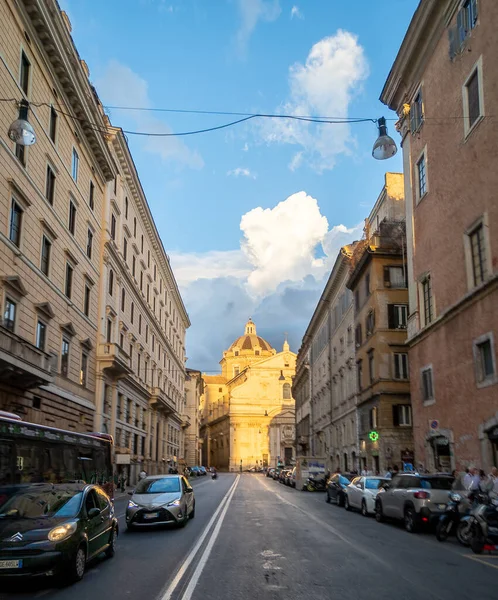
[[436, 483], [373, 484], [158, 486], [43, 501]]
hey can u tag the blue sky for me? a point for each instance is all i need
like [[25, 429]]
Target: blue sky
[[243, 239]]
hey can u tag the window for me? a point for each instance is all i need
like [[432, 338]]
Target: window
[[236, 371], [146, 333], [140, 324], [45, 255], [146, 370], [9, 314], [75, 165], [16, 213], [359, 374], [148, 259], [21, 154], [72, 217], [69, 280], [84, 369], [400, 365], [153, 342], [50, 185], [394, 277], [139, 364], [142, 245], [350, 335], [367, 285], [141, 280], [416, 113], [466, 19], [89, 243], [126, 207], [371, 366], [134, 227], [370, 323], [402, 415], [357, 299], [86, 301], [374, 418], [125, 248], [427, 385], [133, 265], [397, 316], [121, 340], [91, 200], [110, 282], [132, 314], [113, 226], [52, 128], [123, 299], [65, 357], [41, 335], [108, 336], [286, 391], [24, 73], [148, 292], [358, 336], [485, 360], [421, 177], [472, 100], [427, 299], [478, 255]]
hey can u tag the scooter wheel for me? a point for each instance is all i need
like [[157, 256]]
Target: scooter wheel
[[476, 540], [463, 533], [442, 531]]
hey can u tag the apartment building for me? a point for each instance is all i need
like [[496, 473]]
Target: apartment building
[[443, 87], [194, 388]]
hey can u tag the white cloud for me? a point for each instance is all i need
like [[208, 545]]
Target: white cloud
[[324, 86], [251, 12], [245, 148], [295, 12], [209, 265], [117, 82], [241, 172]]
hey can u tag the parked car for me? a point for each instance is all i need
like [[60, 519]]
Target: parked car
[[361, 494], [270, 472], [203, 471], [282, 475], [195, 472], [414, 499], [276, 473], [55, 529], [290, 478], [161, 500], [336, 486]]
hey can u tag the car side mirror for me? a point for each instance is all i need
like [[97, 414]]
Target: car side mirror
[[93, 512], [386, 486], [189, 490], [358, 485]]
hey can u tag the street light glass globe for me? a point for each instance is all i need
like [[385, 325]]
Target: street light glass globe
[[21, 132], [384, 147]]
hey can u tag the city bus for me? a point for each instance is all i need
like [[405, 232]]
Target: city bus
[[31, 453]]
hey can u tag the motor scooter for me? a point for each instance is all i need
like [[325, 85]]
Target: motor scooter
[[214, 475], [316, 485], [453, 521], [484, 527]]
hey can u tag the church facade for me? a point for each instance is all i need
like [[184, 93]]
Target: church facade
[[247, 412]]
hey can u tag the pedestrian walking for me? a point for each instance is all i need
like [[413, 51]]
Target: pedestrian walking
[[467, 478], [493, 476], [142, 474]]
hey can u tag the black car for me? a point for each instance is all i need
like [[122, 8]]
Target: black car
[[336, 486], [54, 529]]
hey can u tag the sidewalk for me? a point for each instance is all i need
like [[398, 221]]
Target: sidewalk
[[118, 494]]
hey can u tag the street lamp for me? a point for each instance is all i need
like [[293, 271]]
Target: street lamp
[[21, 132], [385, 146]]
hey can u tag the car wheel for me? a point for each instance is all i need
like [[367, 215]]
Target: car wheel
[[364, 510], [340, 500], [192, 514], [77, 566], [327, 498], [130, 527], [411, 524], [183, 522], [111, 548], [347, 506], [379, 515]]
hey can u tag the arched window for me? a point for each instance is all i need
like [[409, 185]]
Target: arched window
[[286, 391], [111, 281]]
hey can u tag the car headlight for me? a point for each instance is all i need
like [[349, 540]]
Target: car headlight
[[132, 504], [175, 502], [62, 532]]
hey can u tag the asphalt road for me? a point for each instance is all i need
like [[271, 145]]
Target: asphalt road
[[255, 538]]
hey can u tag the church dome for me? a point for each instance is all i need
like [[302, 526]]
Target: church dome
[[250, 340]]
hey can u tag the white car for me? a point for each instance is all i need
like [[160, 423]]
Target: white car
[[361, 494]]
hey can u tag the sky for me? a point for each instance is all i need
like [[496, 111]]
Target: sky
[[252, 216]]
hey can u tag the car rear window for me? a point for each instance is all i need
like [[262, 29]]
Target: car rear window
[[436, 483]]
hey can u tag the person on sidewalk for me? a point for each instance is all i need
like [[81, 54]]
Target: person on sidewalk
[[142, 474]]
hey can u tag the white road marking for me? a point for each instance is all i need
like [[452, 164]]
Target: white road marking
[[181, 572], [207, 551]]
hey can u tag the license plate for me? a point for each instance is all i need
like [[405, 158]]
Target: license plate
[[441, 506], [151, 515], [10, 564]]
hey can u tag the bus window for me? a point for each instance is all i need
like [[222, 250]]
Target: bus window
[[29, 462]]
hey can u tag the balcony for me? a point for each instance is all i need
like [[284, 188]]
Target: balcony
[[113, 359], [185, 421], [160, 400], [22, 365]]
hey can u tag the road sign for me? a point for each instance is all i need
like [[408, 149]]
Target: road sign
[[434, 424]]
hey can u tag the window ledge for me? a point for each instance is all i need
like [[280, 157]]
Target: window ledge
[[487, 382], [429, 402], [471, 129], [419, 199]]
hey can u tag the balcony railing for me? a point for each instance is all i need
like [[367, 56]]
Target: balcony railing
[[113, 359], [161, 400], [22, 364]]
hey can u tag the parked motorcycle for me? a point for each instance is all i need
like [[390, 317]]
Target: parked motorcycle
[[214, 475], [452, 521], [316, 485], [484, 527]]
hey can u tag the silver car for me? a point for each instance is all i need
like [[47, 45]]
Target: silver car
[[161, 500], [362, 492]]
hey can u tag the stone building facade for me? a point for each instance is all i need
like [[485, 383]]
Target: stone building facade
[[194, 388], [248, 417], [443, 86], [378, 283], [92, 335]]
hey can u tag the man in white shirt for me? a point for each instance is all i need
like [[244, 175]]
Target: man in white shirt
[[467, 479], [494, 477]]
